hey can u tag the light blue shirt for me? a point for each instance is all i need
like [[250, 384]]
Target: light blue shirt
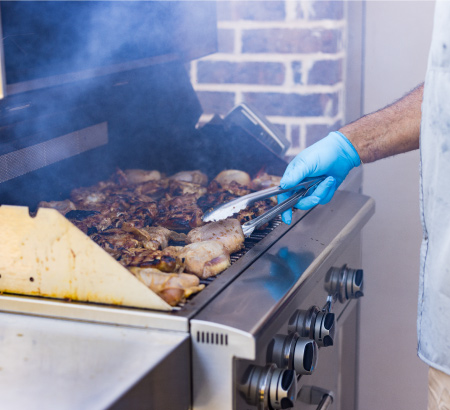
[[433, 321]]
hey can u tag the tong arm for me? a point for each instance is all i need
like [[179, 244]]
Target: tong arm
[[228, 209], [250, 226]]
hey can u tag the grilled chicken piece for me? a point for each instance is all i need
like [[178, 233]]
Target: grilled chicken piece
[[137, 217], [153, 189], [154, 237], [205, 259], [172, 287], [179, 213], [194, 177], [87, 198], [181, 188], [263, 180], [139, 176], [216, 194], [61, 206], [254, 211], [226, 177], [89, 222], [228, 233], [116, 241]]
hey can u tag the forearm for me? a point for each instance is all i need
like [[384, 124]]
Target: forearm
[[392, 130]]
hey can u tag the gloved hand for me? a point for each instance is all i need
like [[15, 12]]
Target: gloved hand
[[333, 156]]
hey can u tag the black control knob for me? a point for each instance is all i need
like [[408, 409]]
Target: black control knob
[[294, 352], [313, 324], [345, 283], [269, 387], [324, 329]]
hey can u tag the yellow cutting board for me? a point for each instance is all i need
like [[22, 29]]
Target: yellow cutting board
[[47, 255]]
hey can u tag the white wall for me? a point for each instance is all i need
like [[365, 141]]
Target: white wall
[[398, 35]]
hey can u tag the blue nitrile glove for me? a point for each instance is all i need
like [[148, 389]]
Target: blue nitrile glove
[[333, 156]]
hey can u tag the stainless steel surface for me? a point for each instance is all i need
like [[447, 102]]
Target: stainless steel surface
[[58, 364], [325, 403], [90, 312], [250, 226], [226, 210]]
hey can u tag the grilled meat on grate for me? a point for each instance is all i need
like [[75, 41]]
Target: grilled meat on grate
[[137, 215]]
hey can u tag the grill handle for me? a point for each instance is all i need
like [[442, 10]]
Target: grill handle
[[325, 403], [316, 395]]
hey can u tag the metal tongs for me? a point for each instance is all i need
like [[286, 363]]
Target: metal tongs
[[228, 209]]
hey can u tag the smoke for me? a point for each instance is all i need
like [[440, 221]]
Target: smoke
[[52, 38], [64, 64]]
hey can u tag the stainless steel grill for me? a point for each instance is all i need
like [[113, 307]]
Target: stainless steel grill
[[228, 346]]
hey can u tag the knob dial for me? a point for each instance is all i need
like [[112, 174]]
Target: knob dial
[[345, 283], [305, 356], [269, 387], [283, 389], [314, 324], [324, 329], [294, 352]]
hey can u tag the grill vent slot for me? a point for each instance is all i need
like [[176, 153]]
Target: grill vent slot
[[20, 162], [212, 338]]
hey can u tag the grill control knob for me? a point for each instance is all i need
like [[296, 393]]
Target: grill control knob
[[314, 324], [283, 389], [270, 387], [345, 283], [294, 352]]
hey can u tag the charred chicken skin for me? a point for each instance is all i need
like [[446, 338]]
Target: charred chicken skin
[[228, 233], [172, 287], [204, 259]]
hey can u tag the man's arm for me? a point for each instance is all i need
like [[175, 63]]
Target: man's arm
[[392, 130]]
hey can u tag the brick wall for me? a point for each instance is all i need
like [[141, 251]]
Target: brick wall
[[284, 57]]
